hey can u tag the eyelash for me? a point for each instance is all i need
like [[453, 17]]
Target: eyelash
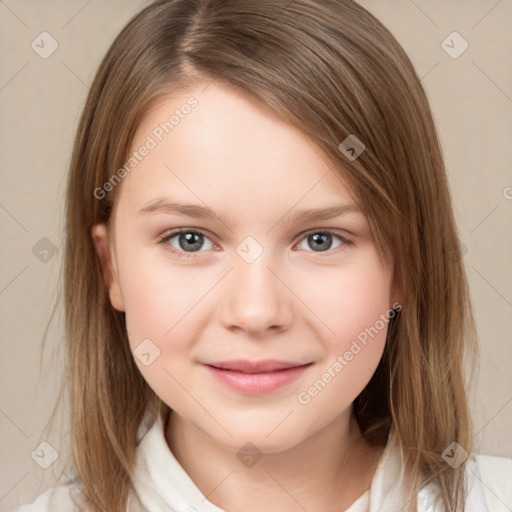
[[182, 254]]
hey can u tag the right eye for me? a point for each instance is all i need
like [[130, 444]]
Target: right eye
[[189, 241]]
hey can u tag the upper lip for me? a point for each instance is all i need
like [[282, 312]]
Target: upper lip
[[265, 365]]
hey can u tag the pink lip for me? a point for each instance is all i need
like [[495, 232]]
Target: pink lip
[[257, 377]]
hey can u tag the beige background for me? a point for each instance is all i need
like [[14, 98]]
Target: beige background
[[40, 100]]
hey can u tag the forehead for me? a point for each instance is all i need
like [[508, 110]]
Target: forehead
[[218, 146]]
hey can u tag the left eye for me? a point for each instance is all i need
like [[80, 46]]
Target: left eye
[[322, 241]]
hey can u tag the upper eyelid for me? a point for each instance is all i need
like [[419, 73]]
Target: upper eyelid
[[177, 231]]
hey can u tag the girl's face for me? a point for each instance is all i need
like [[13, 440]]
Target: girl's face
[[274, 261]]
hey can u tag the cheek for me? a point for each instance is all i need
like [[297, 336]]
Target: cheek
[[163, 309], [355, 306], [349, 299], [157, 292], [168, 304]]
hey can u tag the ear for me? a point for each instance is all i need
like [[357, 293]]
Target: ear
[[103, 247]]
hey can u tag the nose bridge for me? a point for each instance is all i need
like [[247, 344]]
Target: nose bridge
[[256, 299]]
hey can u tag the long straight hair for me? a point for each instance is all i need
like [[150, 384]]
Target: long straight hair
[[330, 69]]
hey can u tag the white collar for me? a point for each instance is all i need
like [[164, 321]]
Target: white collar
[[162, 485]]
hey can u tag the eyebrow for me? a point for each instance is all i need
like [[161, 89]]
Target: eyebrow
[[196, 210]]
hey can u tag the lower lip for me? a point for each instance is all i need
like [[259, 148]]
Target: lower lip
[[257, 383]]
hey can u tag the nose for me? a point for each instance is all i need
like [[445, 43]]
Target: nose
[[255, 299]]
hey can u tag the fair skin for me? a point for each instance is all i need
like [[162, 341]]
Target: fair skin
[[291, 303]]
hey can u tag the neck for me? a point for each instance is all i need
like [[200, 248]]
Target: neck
[[327, 471]]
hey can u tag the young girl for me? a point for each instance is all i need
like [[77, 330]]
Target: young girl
[[219, 358]]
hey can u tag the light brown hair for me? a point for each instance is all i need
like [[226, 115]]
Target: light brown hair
[[330, 69]]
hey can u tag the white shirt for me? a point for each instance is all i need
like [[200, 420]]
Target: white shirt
[[162, 485]]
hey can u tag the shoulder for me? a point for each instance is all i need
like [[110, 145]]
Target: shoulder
[[60, 498], [494, 465], [496, 476], [488, 480]]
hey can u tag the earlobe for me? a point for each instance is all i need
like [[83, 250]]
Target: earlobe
[[102, 245]]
